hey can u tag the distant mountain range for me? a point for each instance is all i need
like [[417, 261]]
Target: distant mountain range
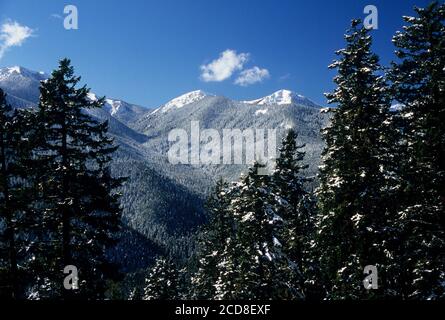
[[163, 203]]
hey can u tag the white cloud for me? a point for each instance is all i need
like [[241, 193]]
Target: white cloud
[[251, 76], [223, 67], [56, 16], [284, 77], [13, 34]]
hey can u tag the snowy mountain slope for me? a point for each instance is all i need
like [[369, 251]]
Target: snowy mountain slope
[[21, 83], [116, 112], [19, 102], [221, 113], [116, 127], [22, 87], [123, 111]]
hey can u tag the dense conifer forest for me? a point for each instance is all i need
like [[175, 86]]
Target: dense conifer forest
[[377, 199]]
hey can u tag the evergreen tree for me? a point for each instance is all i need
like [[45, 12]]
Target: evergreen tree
[[16, 212], [212, 241], [253, 265], [81, 215], [287, 179], [8, 213], [227, 286], [353, 208], [163, 281], [136, 294], [419, 84], [298, 212]]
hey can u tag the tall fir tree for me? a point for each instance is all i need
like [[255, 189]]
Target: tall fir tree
[[419, 84], [212, 241], [8, 210], [163, 281], [353, 209], [81, 213], [253, 265], [298, 213], [17, 215]]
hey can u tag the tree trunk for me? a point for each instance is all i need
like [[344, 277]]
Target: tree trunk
[[66, 219]]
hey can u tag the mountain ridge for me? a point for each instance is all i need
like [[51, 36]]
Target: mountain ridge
[[117, 107]]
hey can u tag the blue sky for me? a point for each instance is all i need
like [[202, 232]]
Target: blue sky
[[147, 52]]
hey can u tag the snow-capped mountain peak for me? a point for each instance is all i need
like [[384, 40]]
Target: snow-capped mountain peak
[[22, 86], [183, 100], [18, 71], [120, 109], [15, 69], [281, 97]]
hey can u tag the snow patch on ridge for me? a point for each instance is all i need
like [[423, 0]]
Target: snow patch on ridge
[[114, 105], [281, 97], [262, 111], [183, 100]]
